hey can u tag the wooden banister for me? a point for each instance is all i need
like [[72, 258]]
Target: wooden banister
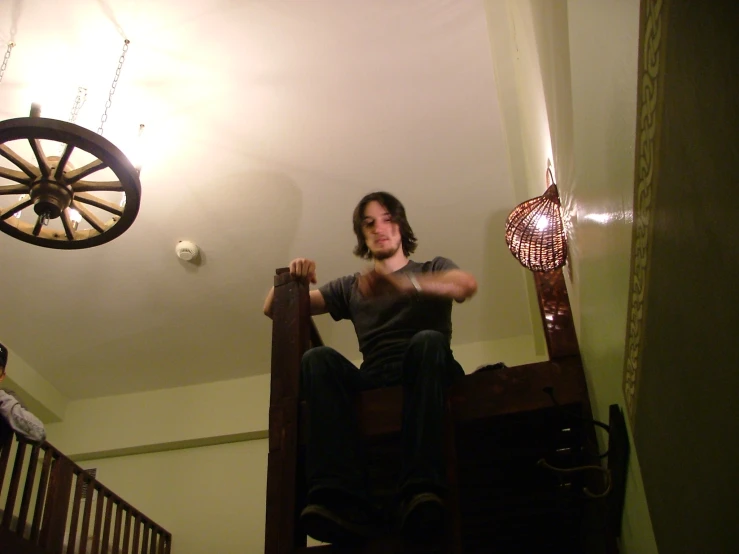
[[291, 337], [59, 481]]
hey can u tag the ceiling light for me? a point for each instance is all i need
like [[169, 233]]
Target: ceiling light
[[535, 231], [55, 188]]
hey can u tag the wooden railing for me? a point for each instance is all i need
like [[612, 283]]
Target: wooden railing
[[47, 507]]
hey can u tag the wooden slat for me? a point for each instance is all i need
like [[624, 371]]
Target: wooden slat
[[41, 493], [154, 538], [117, 532], [106, 526], [28, 489], [98, 519], [136, 533], [72, 540], [57, 503], [125, 549], [145, 538], [14, 482], [85, 531]]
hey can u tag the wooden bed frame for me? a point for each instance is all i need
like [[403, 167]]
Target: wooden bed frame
[[55, 514], [501, 424]]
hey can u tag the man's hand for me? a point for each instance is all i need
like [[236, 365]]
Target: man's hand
[[304, 268]]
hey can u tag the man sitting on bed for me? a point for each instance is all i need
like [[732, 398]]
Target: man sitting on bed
[[401, 311]]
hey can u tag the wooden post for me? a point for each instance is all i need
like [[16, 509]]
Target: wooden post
[[556, 314], [290, 339]]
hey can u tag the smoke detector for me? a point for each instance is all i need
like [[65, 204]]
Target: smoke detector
[[187, 250]]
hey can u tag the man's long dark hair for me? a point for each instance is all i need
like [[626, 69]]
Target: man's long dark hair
[[397, 214]]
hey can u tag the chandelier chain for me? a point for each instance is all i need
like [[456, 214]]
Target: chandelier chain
[[121, 59], [5, 59], [79, 101]]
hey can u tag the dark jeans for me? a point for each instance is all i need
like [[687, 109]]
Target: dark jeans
[[330, 383]]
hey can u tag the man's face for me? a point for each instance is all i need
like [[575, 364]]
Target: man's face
[[380, 232]]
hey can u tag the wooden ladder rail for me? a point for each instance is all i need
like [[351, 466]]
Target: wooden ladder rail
[[290, 339]]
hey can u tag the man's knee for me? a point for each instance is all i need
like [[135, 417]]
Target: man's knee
[[428, 356], [317, 361], [429, 338]]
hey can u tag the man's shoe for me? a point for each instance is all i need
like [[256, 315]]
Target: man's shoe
[[350, 525], [422, 516]]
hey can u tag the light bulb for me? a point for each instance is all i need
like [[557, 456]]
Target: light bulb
[[75, 218], [136, 151], [542, 223], [21, 198]]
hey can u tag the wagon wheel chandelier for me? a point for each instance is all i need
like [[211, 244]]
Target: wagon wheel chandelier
[[56, 189]]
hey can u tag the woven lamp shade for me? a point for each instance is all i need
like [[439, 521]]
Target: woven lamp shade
[[535, 232]]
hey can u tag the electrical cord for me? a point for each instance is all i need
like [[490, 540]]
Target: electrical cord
[[550, 391], [606, 473]]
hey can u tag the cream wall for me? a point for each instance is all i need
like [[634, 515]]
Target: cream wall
[[37, 394], [589, 58], [586, 57], [223, 411], [210, 498]]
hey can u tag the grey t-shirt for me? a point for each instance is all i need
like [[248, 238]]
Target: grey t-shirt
[[385, 324]]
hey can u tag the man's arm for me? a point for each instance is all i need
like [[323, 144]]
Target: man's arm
[[455, 283], [302, 268]]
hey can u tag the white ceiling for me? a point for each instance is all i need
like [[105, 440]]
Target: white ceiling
[[266, 122]]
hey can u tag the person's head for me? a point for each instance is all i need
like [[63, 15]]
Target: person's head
[[381, 227]]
